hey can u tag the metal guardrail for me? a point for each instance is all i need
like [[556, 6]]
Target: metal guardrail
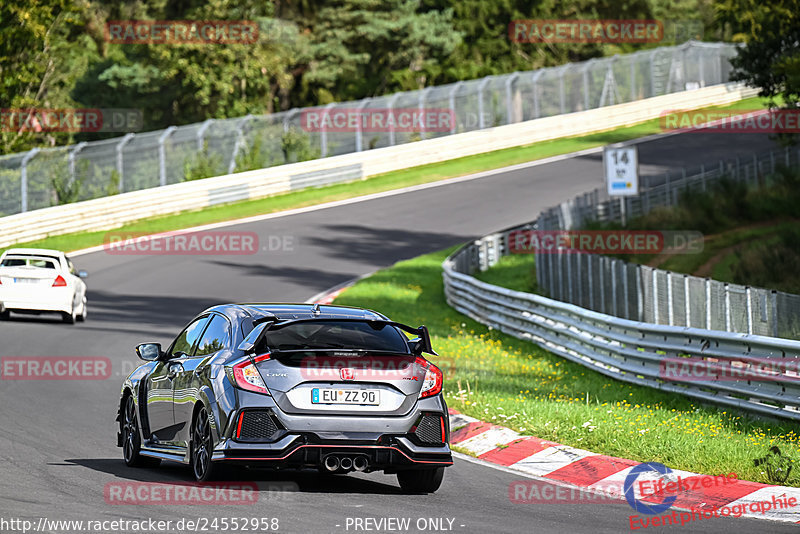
[[626, 350], [223, 146], [641, 293]]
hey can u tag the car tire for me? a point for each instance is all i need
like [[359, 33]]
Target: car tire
[[420, 480], [5, 315], [69, 318], [202, 447], [132, 440], [81, 317]]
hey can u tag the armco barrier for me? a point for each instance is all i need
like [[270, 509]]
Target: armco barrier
[[627, 350], [111, 212]]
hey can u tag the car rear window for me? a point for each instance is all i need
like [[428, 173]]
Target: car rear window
[[30, 261], [337, 335]]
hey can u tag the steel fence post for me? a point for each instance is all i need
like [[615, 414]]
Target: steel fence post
[[239, 141], [162, 155], [687, 307], [639, 294], [670, 303], [589, 262], [749, 304], [509, 97], [323, 138], [625, 291], [569, 279], [601, 272], [287, 119], [422, 95], [654, 282], [71, 160], [452, 98], [613, 287], [774, 307], [481, 124], [537, 112], [727, 309], [201, 134], [359, 133], [708, 303], [24, 178], [120, 146], [562, 99]]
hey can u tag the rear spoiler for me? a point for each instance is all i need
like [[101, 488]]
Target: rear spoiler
[[272, 323]]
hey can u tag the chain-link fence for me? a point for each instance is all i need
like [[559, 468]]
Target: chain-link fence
[[641, 293], [42, 178]]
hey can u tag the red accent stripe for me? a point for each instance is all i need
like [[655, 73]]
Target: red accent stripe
[[443, 436], [591, 469], [470, 430], [239, 426], [516, 451]]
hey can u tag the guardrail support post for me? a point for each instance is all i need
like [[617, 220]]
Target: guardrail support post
[[687, 308], [24, 179], [589, 262], [708, 304], [120, 146], [162, 155]]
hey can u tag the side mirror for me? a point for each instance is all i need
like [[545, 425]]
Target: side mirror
[[83, 274], [149, 352]]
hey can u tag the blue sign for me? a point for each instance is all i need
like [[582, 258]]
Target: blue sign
[[641, 506]]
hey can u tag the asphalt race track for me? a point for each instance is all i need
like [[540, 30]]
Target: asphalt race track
[[57, 437]]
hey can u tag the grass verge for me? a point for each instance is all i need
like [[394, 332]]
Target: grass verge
[[376, 184], [507, 381]]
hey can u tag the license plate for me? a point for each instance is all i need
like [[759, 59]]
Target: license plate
[[26, 280], [345, 396]]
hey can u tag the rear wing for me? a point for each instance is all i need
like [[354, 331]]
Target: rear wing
[[421, 344]]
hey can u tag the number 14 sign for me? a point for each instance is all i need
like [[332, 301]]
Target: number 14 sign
[[621, 164]]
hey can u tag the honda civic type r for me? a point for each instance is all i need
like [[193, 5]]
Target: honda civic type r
[[335, 388]]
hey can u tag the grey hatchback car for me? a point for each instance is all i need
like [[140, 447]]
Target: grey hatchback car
[[335, 388]]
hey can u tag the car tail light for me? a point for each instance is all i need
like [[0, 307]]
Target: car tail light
[[59, 281], [432, 384], [246, 376]]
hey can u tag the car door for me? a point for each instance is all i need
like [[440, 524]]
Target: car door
[[160, 414], [190, 377]]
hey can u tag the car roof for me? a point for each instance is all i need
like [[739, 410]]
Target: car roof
[[288, 311]]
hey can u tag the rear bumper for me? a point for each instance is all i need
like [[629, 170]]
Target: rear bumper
[[388, 453], [54, 301]]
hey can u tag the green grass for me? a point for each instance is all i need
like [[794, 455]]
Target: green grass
[[507, 381], [384, 182]]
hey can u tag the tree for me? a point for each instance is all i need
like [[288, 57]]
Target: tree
[[770, 57]]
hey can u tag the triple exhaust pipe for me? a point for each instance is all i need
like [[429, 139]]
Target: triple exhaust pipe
[[333, 463]]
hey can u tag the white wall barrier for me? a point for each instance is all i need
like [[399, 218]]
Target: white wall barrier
[[112, 212]]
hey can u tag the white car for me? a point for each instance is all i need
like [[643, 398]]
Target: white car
[[38, 281]]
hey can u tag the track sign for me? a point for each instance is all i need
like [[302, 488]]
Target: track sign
[[621, 164]]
